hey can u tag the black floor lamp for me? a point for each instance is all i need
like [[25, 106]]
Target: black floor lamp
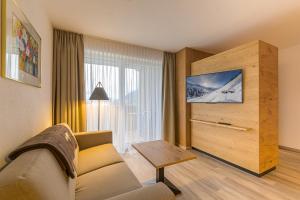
[[99, 94]]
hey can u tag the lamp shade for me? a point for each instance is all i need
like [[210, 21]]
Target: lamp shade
[[99, 93]]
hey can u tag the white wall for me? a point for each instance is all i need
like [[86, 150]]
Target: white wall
[[289, 97], [26, 110]]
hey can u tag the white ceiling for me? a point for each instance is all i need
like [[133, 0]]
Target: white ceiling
[[210, 25]]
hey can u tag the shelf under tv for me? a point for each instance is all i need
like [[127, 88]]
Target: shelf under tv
[[220, 124]]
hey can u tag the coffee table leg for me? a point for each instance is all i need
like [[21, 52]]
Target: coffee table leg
[[160, 177]]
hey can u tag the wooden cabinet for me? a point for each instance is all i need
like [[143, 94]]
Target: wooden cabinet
[[257, 148]]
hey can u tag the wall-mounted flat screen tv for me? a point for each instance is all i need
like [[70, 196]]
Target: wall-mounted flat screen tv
[[219, 87]]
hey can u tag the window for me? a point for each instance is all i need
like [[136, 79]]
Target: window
[[132, 78]]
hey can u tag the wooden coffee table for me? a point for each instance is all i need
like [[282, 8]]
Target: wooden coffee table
[[161, 154]]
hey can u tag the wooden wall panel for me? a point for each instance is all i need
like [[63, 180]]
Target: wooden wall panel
[[242, 148], [268, 109], [184, 58], [181, 109]]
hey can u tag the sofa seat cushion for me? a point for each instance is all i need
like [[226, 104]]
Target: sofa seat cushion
[[106, 182], [96, 157]]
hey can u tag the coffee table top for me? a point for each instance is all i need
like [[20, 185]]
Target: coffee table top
[[161, 154]]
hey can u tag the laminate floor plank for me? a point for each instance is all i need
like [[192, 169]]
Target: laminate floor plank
[[210, 179]]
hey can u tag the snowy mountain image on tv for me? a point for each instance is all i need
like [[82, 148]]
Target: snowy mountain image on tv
[[220, 87]]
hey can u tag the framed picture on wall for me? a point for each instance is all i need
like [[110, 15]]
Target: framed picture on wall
[[20, 46]]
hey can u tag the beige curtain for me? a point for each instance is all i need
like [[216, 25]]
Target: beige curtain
[[169, 97], [68, 80]]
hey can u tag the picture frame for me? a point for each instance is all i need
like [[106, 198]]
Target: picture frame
[[20, 46]]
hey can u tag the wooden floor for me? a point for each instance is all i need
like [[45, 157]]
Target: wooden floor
[[207, 178]]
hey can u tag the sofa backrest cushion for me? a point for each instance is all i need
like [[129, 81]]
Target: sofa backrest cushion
[[36, 175]]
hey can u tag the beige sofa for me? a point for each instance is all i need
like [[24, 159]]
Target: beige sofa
[[101, 174]]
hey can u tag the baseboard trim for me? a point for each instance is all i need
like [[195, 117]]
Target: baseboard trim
[[289, 149], [236, 166], [184, 147]]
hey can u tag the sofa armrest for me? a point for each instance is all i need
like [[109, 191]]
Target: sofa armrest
[[90, 139], [158, 191]]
